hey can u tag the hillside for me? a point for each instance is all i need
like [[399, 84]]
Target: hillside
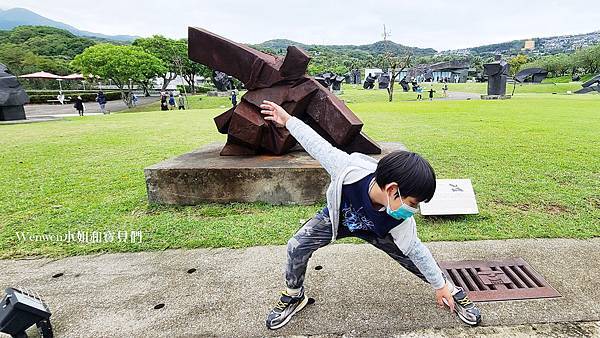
[[14, 17], [279, 46], [544, 45]]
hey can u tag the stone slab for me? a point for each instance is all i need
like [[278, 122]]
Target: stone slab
[[452, 197], [203, 176]]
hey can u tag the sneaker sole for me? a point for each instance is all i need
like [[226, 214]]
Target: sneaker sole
[[466, 320], [285, 321]]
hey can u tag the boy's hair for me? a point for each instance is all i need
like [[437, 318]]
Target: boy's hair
[[414, 175]]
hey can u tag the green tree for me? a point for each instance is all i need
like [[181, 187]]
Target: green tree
[[516, 63], [165, 49], [189, 68], [20, 60], [121, 64], [588, 59]]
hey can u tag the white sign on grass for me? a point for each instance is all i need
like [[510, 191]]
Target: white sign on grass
[[452, 197]]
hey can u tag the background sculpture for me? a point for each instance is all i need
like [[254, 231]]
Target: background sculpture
[[12, 96], [497, 73], [355, 76], [369, 81], [283, 81], [590, 85], [222, 81], [535, 75], [384, 81]]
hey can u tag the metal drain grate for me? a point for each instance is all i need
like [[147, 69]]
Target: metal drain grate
[[498, 280]]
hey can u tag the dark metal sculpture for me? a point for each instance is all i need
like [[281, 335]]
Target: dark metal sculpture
[[283, 81], [355, 76], [404, 84], [222, 81], [497, 73], [12, 96], [591, 85], [535, 75], [336, 82], [384, 81], [369, 81]]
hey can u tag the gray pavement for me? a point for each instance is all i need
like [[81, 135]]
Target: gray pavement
[[359, 291], [92, 108]]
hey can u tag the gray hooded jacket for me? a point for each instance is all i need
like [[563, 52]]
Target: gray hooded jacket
[[347, 169]]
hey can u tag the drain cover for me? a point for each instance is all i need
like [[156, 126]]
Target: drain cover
[[498, 280]]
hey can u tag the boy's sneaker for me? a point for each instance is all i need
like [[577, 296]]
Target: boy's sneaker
[[285, 309], [465, 308]]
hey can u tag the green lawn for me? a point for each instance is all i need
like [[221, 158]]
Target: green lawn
[[524, 88], [534, 161]]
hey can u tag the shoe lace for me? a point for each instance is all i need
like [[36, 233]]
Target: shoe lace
[[281, 305], [465, 301]]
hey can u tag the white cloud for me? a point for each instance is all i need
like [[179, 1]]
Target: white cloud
[[439, 24]]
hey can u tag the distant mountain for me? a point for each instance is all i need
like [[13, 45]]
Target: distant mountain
[[14, 17], [374, 48]]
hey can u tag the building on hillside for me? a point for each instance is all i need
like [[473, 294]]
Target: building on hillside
[[529, 45]]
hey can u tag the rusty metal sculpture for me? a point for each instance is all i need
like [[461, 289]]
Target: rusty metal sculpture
[[283, 81]]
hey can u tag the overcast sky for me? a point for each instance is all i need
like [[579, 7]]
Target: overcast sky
[[439, 24]]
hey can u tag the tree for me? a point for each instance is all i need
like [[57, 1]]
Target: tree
[[167, 50], [516, 63], [395, 64], [190, 69], [588, 59], [123, 65], [20, 60]]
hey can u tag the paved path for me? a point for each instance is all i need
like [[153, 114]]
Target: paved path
[[359, 291], [92, 108], [461, 96]]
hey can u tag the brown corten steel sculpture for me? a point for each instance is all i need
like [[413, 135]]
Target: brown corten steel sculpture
[[283, 81]]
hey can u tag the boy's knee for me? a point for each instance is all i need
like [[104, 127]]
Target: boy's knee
[[292, 244]]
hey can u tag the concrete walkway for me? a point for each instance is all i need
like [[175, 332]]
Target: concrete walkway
[[92, 108], [53, 112], [359, 291]]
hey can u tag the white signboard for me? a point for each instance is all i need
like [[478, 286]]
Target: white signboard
[[452, 197]]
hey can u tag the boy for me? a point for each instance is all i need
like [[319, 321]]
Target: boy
[[371, 200]]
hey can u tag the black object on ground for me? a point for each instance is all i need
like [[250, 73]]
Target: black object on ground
[[591, 85], [497, 73], [535, 75], [20, 309], [12, 96]]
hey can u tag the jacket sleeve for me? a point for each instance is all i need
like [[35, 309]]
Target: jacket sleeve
[[331, 158], [405, 238]]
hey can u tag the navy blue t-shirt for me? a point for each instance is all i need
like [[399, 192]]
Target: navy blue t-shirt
[[357, 211]]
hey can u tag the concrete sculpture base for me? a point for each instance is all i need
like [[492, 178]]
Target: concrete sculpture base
[[495, 97], [203, 176]]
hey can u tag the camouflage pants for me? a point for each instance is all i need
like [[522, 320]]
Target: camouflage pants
[[316, 233]]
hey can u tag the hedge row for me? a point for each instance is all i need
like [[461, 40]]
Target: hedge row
[[87, 97]]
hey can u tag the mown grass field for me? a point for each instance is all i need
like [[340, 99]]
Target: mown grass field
[[534, 162]]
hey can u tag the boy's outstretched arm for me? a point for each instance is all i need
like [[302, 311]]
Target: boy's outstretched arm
[[331, 158], [406, 239]]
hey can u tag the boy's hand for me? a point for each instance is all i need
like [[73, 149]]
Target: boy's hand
[[274, 112], [444, 294]]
